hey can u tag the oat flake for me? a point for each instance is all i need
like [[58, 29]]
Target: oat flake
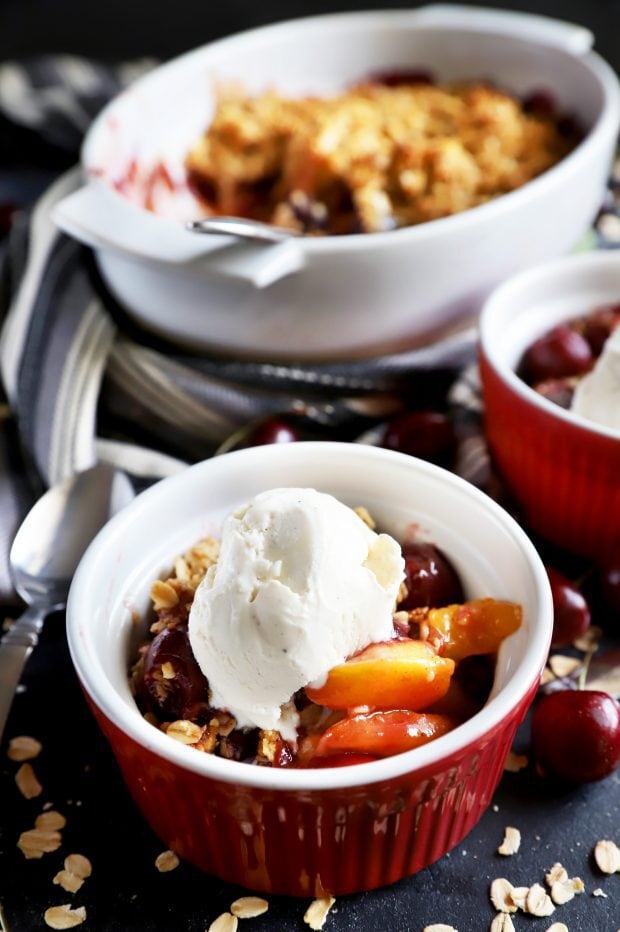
[[563, 892], [50, 821], [558, 873], [502, 923], [515, 762], [511, 842], [589, 641], [79, 865], [316, 914], [224, 923], [27, 782], [35, 843], [518, 897], [68, 881], [23, 748], [538, 903], [166, 861], [247, 907], [607, 856], [562, 665], [184, 731], [63, 917], [500, 895]]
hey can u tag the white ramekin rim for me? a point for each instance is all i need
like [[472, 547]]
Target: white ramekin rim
[[129, 720], [604, 126], [555, 270]]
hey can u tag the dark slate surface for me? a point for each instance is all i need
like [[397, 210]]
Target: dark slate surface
[[127, 894]]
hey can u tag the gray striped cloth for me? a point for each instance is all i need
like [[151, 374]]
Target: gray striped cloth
[[84, 384]]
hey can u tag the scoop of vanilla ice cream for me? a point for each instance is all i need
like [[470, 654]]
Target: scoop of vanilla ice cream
[[301, 584], [597, 396]]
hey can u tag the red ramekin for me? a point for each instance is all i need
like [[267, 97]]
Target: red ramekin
[[308, 832], [563, 470]]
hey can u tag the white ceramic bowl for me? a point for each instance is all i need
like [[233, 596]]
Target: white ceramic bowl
[[352, 295], [562, 469], [410, 808]]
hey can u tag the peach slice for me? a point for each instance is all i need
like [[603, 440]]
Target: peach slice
[[398, 674], [476, 627], [382, 734]]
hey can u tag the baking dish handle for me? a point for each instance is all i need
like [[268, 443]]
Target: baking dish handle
[[104, 220], [530, 26]]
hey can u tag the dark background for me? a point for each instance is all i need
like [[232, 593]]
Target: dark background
[[115, 29]]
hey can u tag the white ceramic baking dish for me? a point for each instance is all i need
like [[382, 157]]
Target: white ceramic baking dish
[[337, 296]]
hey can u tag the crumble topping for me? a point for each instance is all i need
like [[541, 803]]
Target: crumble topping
[[371, 158]]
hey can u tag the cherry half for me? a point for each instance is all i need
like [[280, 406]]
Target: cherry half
[[430, 578], [576, 735], [571, 612], [187, 693]]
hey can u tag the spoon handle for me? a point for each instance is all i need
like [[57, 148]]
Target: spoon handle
[[15, 648]]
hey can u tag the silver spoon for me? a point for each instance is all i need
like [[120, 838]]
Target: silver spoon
[[46, 551], [252, 230]]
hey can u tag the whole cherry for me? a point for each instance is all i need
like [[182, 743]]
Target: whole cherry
[[273, 430], [576, 735], [430, 578], [571, 612], [609, 579], [561, 352], [427, 434]]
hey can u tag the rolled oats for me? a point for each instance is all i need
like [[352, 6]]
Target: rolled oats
[[247, 907], [163, 595], [607, 856], [68, 881], [79, 865], [166, 861], [589, 640], [557, 873], [564, 891], [316, 914], [184, 731], [224, 923], [23, 748], [64, 917], [501, 890], [27, 782], [538, 903], [502, 923], [366, 517], [50, 821], [35, 843], [564, 666], [511, 842], [167, 671], [515, 762], [518, 896]]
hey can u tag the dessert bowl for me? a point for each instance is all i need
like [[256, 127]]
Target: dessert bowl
[[561, 468], [332, 830], [321, 297]]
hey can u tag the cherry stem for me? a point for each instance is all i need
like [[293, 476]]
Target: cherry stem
[[581, 682]]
